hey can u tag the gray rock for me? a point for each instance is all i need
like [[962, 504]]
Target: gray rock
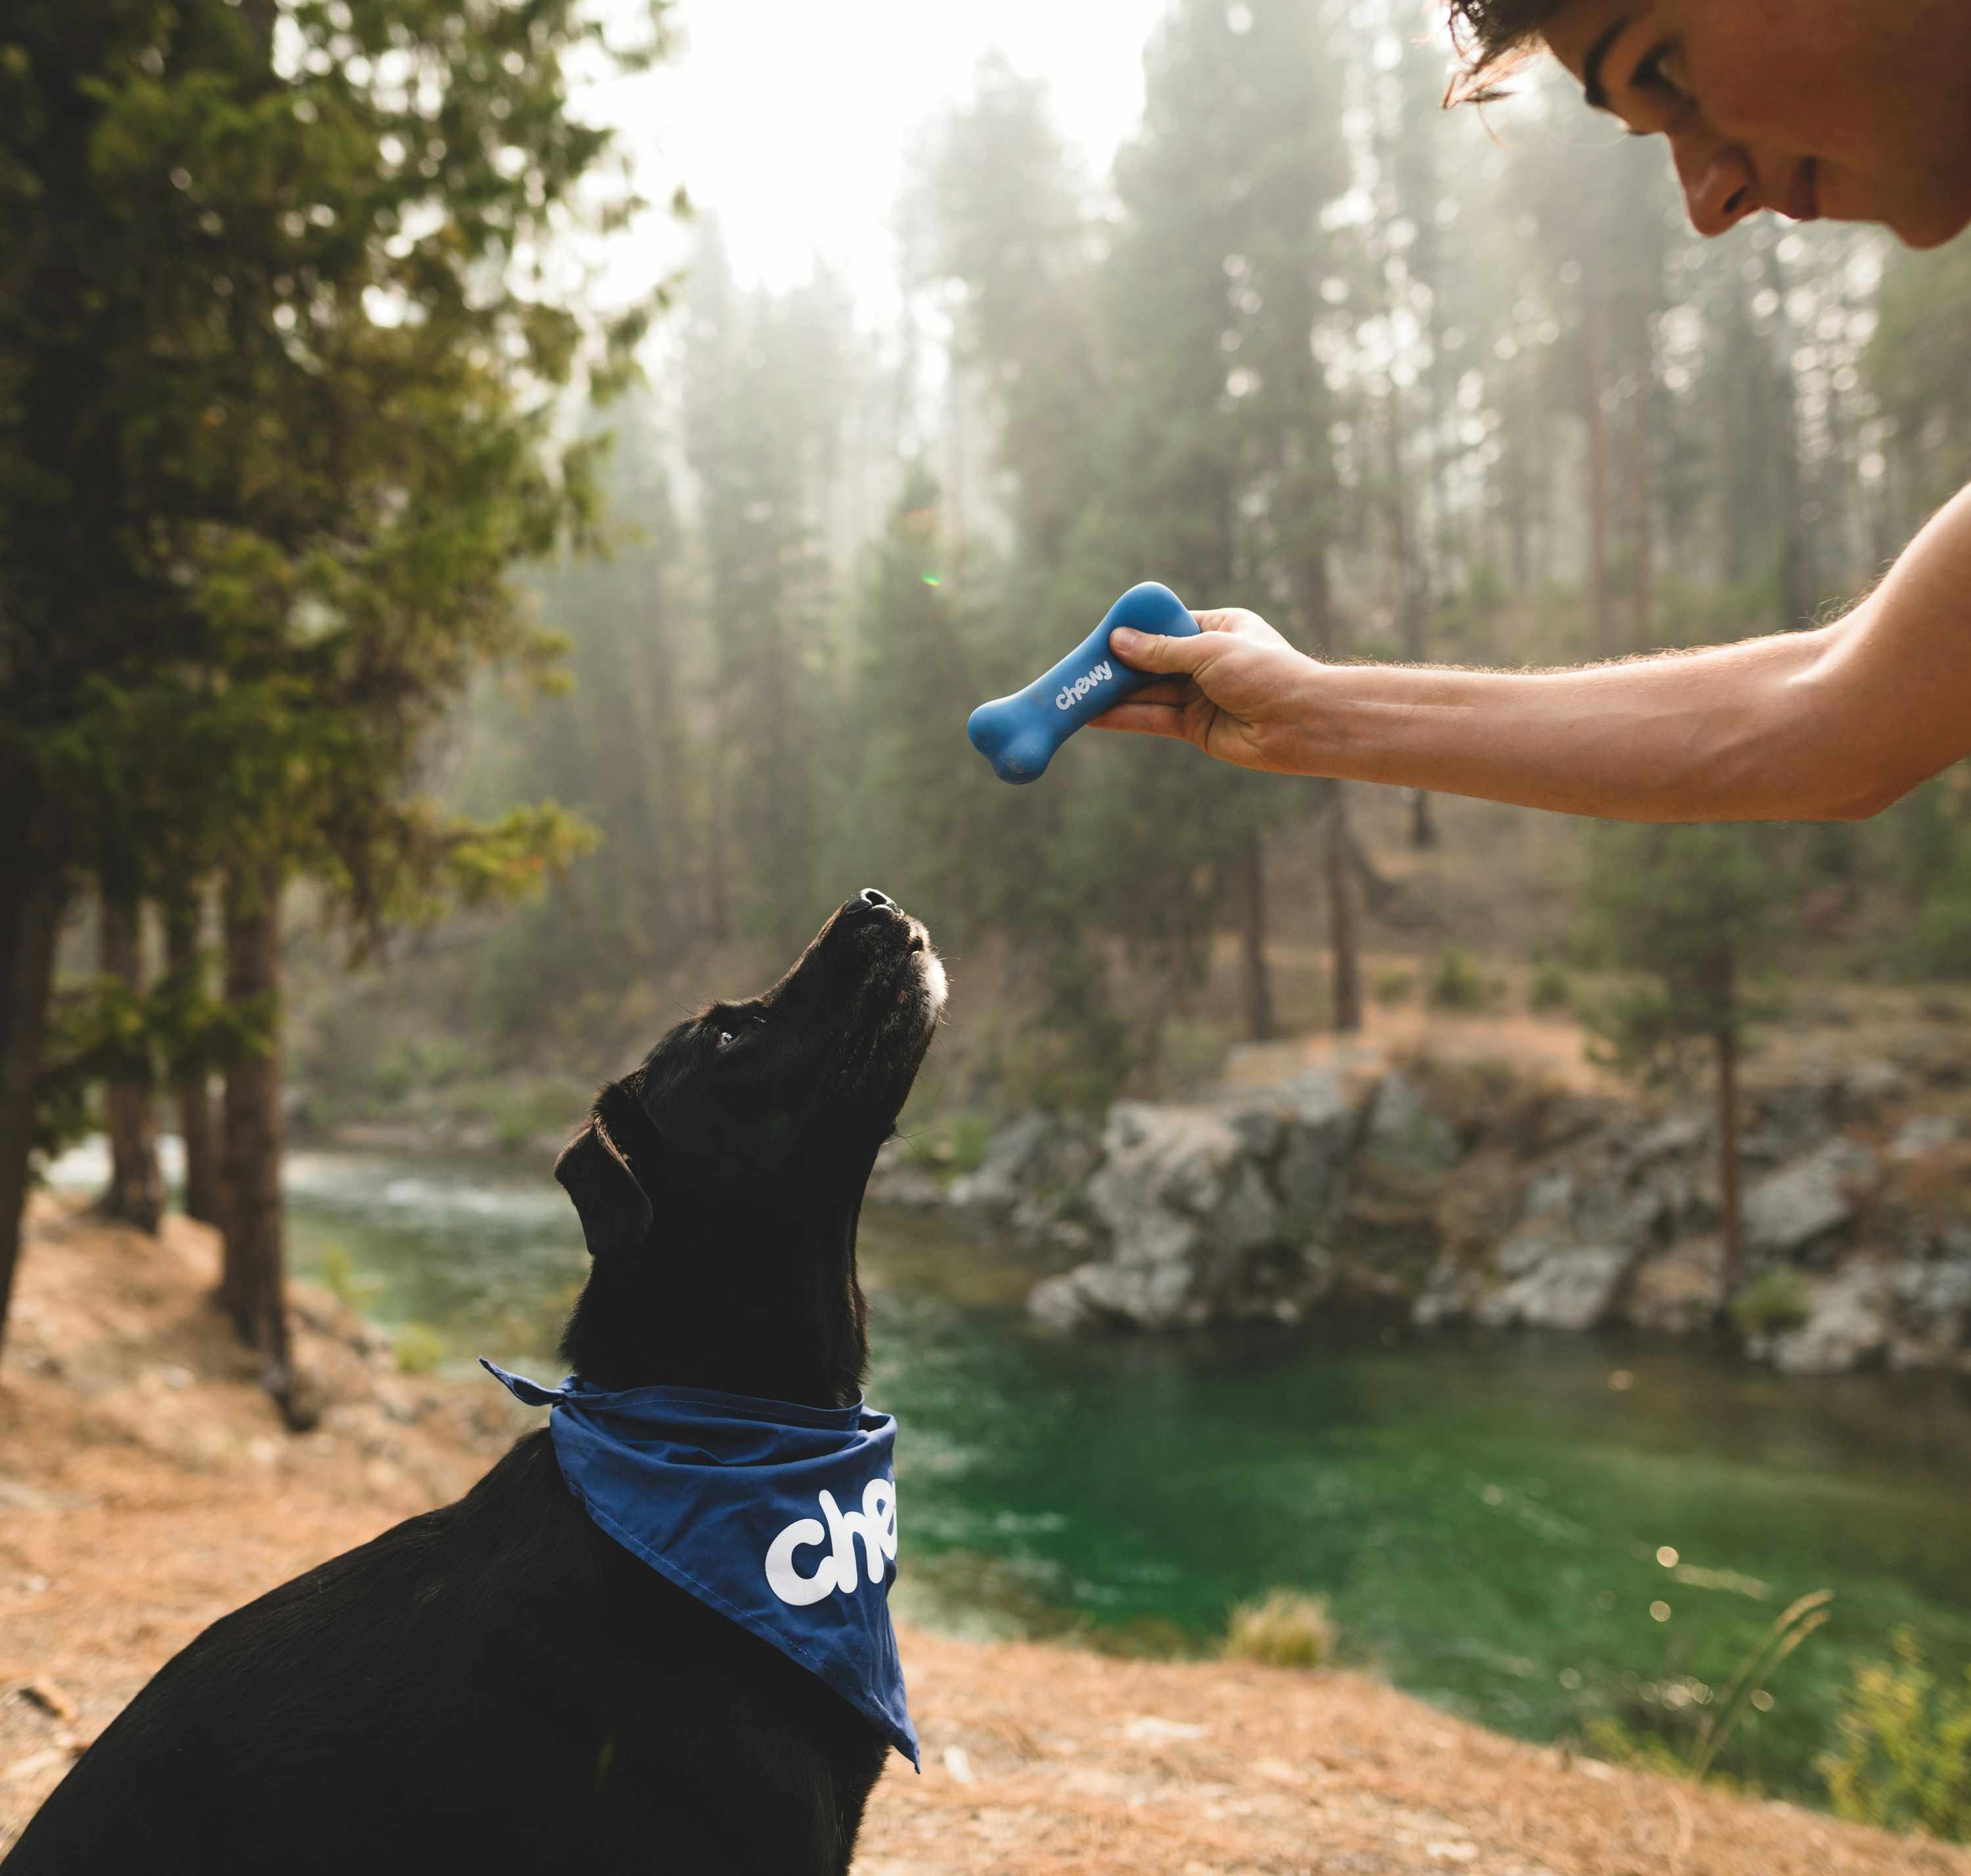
[[1677, 1134], [1012, 1159], [1576, 1288], [1851, 1324], [1452, 1294], [1932, 1294], [1789, 1209], [1185, 1207], [1925, 1134], [1319, 1128], [1406, 1140], [1552, 1190], [1865, 1086], [903, 1180]]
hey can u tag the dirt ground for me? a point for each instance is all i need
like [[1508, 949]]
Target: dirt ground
[[146, 1488]]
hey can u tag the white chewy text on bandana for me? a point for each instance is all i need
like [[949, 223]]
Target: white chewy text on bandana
[[874, 1525]]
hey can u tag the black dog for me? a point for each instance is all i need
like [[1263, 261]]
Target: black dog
[[499, 1684]]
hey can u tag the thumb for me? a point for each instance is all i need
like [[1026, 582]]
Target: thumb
[[1151, 651]]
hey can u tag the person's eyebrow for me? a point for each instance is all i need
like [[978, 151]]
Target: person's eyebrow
[[1598, 95]]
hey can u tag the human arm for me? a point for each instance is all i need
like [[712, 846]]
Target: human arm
[[1832, 725]]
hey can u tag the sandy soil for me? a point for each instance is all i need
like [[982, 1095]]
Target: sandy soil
[[146, 1488]]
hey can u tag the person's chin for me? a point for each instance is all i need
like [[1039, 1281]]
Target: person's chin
[[1929, 223]]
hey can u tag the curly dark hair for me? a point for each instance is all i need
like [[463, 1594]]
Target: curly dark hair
[[1492, 37]]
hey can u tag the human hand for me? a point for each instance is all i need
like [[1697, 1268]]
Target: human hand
[[1238, 691]]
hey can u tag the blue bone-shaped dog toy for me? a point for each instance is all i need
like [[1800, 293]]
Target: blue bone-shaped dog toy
[[1019, 734]]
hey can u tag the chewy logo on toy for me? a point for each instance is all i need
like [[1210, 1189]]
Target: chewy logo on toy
[[875, 1524], [1073, 693]]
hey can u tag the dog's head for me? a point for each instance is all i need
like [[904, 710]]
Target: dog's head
[[718, 1184]]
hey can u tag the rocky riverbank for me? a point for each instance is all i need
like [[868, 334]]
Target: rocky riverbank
[[1479, 1191]]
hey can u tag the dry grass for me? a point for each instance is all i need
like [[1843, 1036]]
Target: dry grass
[[146, 1489]]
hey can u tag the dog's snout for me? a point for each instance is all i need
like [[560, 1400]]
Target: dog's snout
[[877, 901]]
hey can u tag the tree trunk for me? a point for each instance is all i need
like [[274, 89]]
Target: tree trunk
[[1253, 931], [136, 1191], [1731, 1269], [190, 1079], [1423, 827], [1595, 348], [1344, 939], [1641, 625], [29, 925], [253, 1287]]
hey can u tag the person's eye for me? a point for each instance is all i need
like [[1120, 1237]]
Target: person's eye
[[1662, 75]]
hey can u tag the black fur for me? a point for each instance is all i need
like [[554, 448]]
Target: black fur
[[497, 1683]]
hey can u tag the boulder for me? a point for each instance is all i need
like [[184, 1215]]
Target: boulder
[[1557, 1283], [1925, 1134], [1406, 1145], [1305, 1135], [1187, 1211], [1851, 1325], [1934, 1301], [900, 1178], [1787, 1210], [1011, 1161], [1676, 1135], [1029, 1183]]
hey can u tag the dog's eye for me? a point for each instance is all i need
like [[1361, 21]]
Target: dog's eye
[[725, 1038]]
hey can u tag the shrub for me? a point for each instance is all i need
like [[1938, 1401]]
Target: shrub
[[1549, 987], [1457, 984], [1395, 986], [1772, 1304], [339, 1277], [1904, 1759], [419, 1348], [1284, 1629]]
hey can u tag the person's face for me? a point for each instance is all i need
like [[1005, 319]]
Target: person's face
[[1858, 110]]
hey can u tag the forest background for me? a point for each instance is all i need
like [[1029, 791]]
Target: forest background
[[1458, 388]]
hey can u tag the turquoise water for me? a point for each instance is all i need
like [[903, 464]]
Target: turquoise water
[[1533, 1532]]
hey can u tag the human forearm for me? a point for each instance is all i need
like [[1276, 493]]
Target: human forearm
[[1730, 733], [1827, 725]]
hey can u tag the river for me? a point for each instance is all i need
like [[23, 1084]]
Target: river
[[1530, 1531]]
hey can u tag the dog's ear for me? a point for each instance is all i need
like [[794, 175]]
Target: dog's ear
[[609, 1198]]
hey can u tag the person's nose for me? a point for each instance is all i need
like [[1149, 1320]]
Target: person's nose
[[1720, 186]]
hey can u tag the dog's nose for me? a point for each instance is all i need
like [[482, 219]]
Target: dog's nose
[[877, 901]]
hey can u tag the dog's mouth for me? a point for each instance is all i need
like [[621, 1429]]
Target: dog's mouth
[[900, 1000]]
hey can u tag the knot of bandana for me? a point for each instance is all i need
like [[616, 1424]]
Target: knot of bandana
[[782, 1518]]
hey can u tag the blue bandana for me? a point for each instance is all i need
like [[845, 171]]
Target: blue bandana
[[784, 1519]]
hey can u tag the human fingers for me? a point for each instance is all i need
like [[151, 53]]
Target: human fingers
[[1150, 651], [1142, 719]]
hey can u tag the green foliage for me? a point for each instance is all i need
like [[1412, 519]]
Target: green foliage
[[1938, 945], [1718, 1719], [1774, 1302], [419, 1348], [1457, 983], [1903, 1760], [1549, 987], [1700, 912], [339, 1279], [276, 421], [1284, 1629], [1395, 986]]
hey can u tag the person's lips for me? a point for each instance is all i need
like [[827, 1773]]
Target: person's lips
[[1803, 202]]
